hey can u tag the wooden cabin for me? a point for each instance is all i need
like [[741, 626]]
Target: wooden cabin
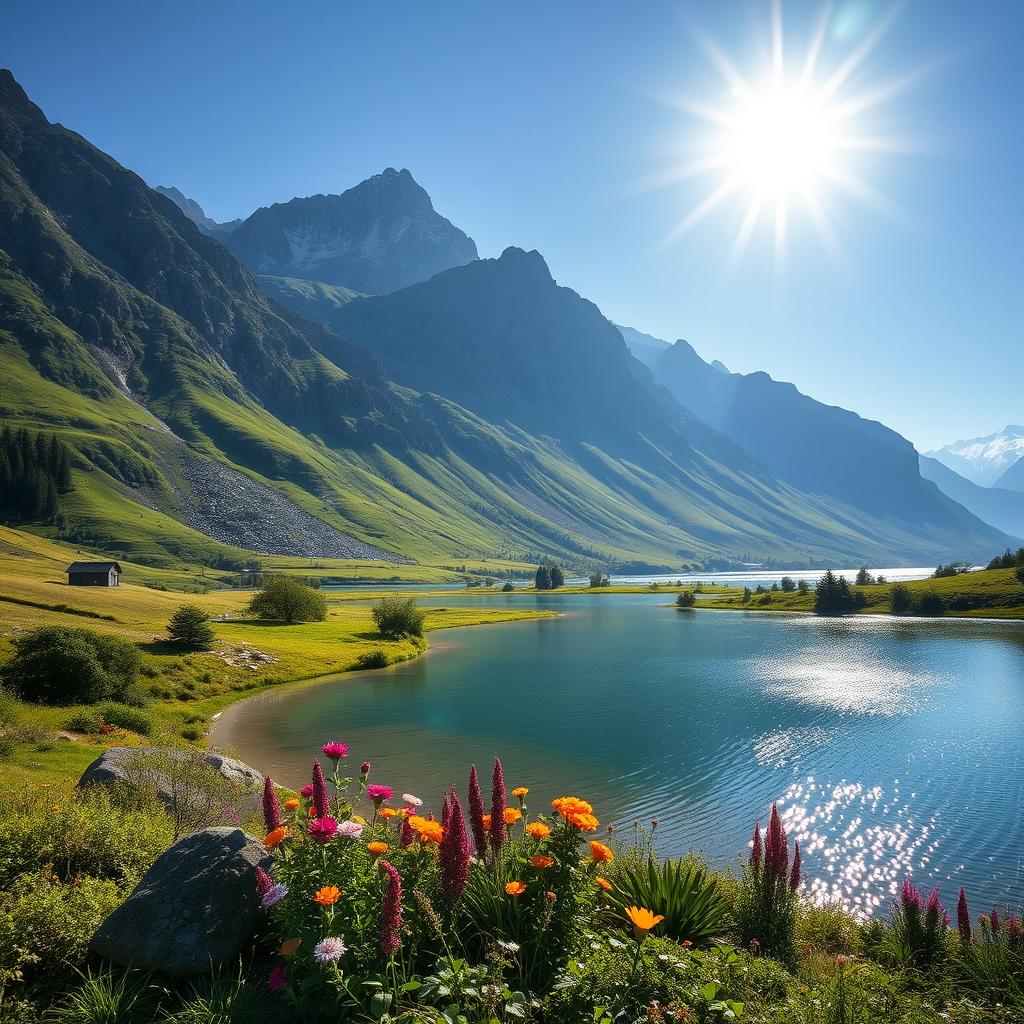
[[94, 574]]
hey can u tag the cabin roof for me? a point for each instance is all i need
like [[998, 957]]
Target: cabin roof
[[92, 567]]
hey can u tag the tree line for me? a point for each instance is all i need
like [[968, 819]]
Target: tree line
[[34, 470], [549, 577]]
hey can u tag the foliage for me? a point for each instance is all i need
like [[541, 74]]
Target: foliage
[[833, 596], [34, 470], [952, 569], [918, 928], [1008, 560], [190, 627], [901, 600], [507, 588], [929, 603], [63, 665], [398, 617], [287, 599], [124, 717], [106, 998], [685, 599], [599, 579], [549, 577]]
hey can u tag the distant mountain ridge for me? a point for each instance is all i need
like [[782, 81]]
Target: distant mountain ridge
[[984, 460], [1000, 507], [196, 214], [381, 235]]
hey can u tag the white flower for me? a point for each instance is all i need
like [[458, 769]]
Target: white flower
[[509, 947], [326, 951], [274, 894], [412, 801], [350, 830]]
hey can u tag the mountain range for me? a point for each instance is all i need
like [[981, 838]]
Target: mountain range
[[990, 461], [377, 379]]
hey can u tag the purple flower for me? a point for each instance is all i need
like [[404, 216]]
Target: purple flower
[[794, 876], [910, 896], [390, 910], [306, 791], [453, 853], [963, 917], [328, 950], [277, 978], [498, 798], [406, 836], [476, 813], [274, 894], [350, 830], [319, 789], [446, 809], [379, 794], [323, 829], [271, 807], [995, 920], [364, 769], [264, 883], [776, 848], [755, 852], [335, 751]]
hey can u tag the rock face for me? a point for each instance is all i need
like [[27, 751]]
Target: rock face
[[194, 909], [157, 768]]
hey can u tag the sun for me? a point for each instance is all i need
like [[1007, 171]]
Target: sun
[[792, 137]]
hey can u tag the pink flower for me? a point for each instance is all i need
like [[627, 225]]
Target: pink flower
[[776, 847], [335, 751], [406, 837], [454, 850], [379, 794], [476, 813], [794, 875], [319, 789], [323, 829], [350, 830], [390, 921], [498, 800], [306, 791], [755, 852], [264, 883], [271, 807], [364, 769], [995, 920], [963, 917], [277, 978], [328, 950]]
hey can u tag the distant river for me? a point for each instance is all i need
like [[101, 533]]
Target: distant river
[[892, 746]]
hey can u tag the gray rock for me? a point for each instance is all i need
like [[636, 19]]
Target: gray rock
[[195, 908]]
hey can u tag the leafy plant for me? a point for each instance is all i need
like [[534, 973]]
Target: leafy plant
[[398, 617], [287, 599], [190, 627], [125, 717], [919, 927], [106, 998]]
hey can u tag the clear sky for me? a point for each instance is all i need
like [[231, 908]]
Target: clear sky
[[545, 125]]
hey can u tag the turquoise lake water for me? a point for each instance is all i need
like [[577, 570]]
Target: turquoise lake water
[[893, 747]]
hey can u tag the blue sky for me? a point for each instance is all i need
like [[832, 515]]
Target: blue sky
[[543, 125]]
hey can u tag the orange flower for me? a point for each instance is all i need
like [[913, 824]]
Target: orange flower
[[290, 805], [542, 860], [312, 812], [487, 822], [428, 831], [327, 895], [687, 943], [538, 830], [566, 805], [550, 897], [583, 821], [515, 888], [377, 848], [387, 813], [603, 883], [512, 815], [643, 920], [289, 946], [519, 792], [273, 839], [599, 853]]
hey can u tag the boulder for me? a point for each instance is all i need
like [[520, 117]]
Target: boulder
[[195, 908]]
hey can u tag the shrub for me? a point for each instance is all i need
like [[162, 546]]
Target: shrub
[[376, 658], [901, 601], [507, 588], [685, 599], [919, 928], [125, 717], [107, 998], [286, 599], [84, 721], [190, 627], [398, 617], [1020, 574], [833, 596], [61, 665], [930, 603]]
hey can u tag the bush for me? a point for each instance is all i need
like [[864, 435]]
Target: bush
[[286, 599], [919, 928], [930, 603], [398, 617], [901, 601], [125, 717], [373, 659], [190, 627], [833, 596], [84, 721], [109, 998], [61, 665], [507, 588], [685, 599], [1020, 574]]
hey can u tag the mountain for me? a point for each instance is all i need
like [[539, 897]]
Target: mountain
[[1000, 507], [1013, 478], [195, 213], [983, 460], [379, 236]]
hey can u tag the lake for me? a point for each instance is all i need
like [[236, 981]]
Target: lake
[[893, 746]]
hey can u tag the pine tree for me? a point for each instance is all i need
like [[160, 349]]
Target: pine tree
[[555, 576], [542, 580], [190, 627]]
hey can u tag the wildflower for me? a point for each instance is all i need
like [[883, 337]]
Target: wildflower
[[387, 813], [963, 917], [566, 805], [428, 830], [323, 829], [291, 803], [453, 853], [687, 943], [538, 830], [515, 888], [411, 801], [550, 897], [312, 811], [289, 946], [277, 978], [306, 791], [599, 853], [583, 821], [508, 947], [319, 793], [498, 801], [329, 950], [335, 751], [512, 815], [274, 838], [263, 882], [842, 960], [542, 860], [994, 919], [379, 794], [794, 875], [351, 829], [406, 836], [643, 920], [755, 946], [776, 848], [519, 792], [654, 823], [390, 921], [274, 894], [755, 852], [476, 813], [603, 883], [271, 808], [327, 895], [364, 769]]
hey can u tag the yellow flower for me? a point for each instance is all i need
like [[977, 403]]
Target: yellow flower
[[599, 853], [358, 819], [538, 830], [566, 805], [643, 920], [519, 792], [327, 895], [290, 805], [542, 860], [515, 888], [377, 848], [512, 815], [289, 946], [274, 839], [387, 813], [583, 821], [428, 831], [487, 821], [603, 883]]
